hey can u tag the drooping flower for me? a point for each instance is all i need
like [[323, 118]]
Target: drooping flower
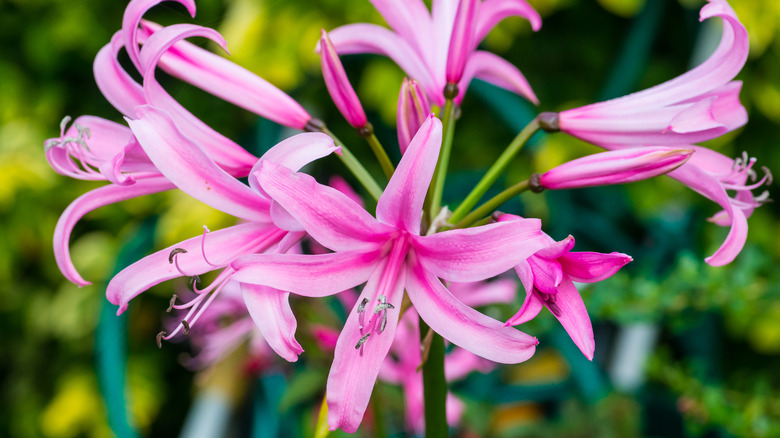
[[97, 149], [699, 105], [711, 174], [548, 277], [403, 366], [390, 254], [182, 161], [421, 43], [612, 167]]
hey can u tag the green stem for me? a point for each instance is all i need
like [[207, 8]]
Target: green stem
[[437, 188], [356, 168], [381, 155], [488, 207], [434, 386], [495, 170]]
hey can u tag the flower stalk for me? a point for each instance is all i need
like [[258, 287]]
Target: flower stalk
[[492, 204], [354, 166], [434, 385], [367, 132], [495, 170], [437, 187]]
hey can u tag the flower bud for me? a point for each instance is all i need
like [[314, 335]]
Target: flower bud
[[340, 89], [615, 167], [413, 109]]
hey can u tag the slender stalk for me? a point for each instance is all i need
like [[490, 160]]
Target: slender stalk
[[381, 155], [495, 170], [437, 187], [321, 430], [434, 386], [488, 207], [356, 168]]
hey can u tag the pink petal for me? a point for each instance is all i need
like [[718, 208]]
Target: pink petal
[[556, 249], [328, 215], [308, 275], [354, 370], [497, 71], [411, 20], [459, 363], [477, 253], [271, 312], [708, 186], [590, 267], [221, 248], [230, 156], [370, 38], [90, 201], [574, 317], [132, 18], [491, 12], [461, 40], [531, 307], [186, 165], [443, 18], [402, 201], [338, 85], [462, 325], [117, 86], [231, 82], [294, 153]]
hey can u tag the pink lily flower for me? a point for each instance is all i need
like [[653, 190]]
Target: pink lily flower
[[548, 278], [421, 43], [338, 85], [97, 149], [699, 105], [184, 163], [413, 110], [390, 254], [711, 174], [403, 367], [612, 167]]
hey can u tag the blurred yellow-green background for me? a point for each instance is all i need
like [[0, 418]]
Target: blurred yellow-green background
[[712, 334]]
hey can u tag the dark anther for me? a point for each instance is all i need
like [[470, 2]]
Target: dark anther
[[451, 91], [366, 131], [173, 253], [362, 340], [160, 338], [535, 183], [497, 214], [186, 326], [195, 279], [171, 303], [314, 125], [549, 121]]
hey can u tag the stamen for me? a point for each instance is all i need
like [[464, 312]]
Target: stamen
[[160, 337], [361, 310], [171, 303], [362, 340], [186, 326], [194, 280], [64, 124], [203, 246], [383, 323], [173, 253]]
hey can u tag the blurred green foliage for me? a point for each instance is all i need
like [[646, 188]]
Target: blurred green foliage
[[47, 355]]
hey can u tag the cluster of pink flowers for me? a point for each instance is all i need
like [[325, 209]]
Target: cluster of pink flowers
[[397, 251]]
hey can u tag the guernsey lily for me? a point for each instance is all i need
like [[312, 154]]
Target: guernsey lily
[[548, 278], [432, 48], [390, 254], [182, 161], [699, 105]]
